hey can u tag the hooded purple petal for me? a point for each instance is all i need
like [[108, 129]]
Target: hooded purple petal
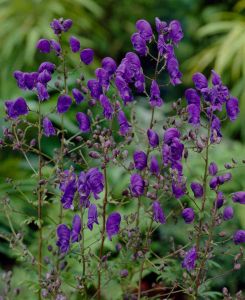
[[113, 224], [83, 122]]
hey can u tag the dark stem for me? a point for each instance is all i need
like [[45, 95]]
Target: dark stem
[[83, 257], [102, 234]]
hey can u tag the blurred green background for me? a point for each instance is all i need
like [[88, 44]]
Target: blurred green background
[[214, 38]]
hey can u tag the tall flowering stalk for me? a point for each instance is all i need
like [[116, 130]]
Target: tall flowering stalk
[[81, 168]]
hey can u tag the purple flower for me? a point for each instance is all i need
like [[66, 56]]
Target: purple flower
[[190, 259], [213, 183], [197, 189], [76, 229], [239, 197], [192, 97], [50, 67], [56, 26], [188, 215], [92, 216], [63, 104], [239, 237], [16, 108], [216, 80], [55, 46], [43, 46], [170, 134], [19, 76], [42, 92], [224, 178], [67, 24], [123, 123], [144, 29], [176, 149], [113, 224], [74, 44], [95, 181], [123, 273], [30, 80], [175, 31], [153, 138], [137, 185], [123, 89], [95, 88], [44, 77], [109, 65], [63, 234], [220, 199], [107, 107], [194, 114], [178, 189], [158, 214], [48, 128], [140, 160], [139, 44], [173, 70], [103, 77], [77, 95], [87, 56], [215, 130], [69, 193], [228, 213], [200, 81], [232, 108], [154, 166], [83, 122], [160, 25], [155, 99], [212, 169]]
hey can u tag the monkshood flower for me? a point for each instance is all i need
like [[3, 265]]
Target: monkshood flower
[[42, 92], [197, 189], [68, 196], [216, 134], [214, 182], [50, 67], [63, 234], [87, 56], [189, 261], [144, 29], [77, 95], [103, 77], [193, 107], [239, 237], [154, 166], [212, 169], [60, 26], [139, 44], [158, 214], [16, 108], [220, 199], [123, 123], [113, 224], [83, 122], [26, 81], [107, 107], [170, 134], [44, 77], [178, 188], [175, 31], [228, 213], [123, 89], [92, 216], [140, 160], [56, 47], [63, 104], [95, 88], [74, 44], [200, 81], [109, 65], [224, 178], [76, 229], [232, 108], [155, 97], [161, 26], [137, 185], [173, 70], [48, 128], [43, 45], [123, 273], [188, 215], [176, 150], [239, 197]]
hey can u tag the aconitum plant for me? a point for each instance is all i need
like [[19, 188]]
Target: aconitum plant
[[94, 238]]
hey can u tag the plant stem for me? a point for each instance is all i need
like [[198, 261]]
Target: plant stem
[[102, 234], [83, 257], [40, 237], [205, 176]]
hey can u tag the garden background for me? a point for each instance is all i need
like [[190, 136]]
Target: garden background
[[214, 38]]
